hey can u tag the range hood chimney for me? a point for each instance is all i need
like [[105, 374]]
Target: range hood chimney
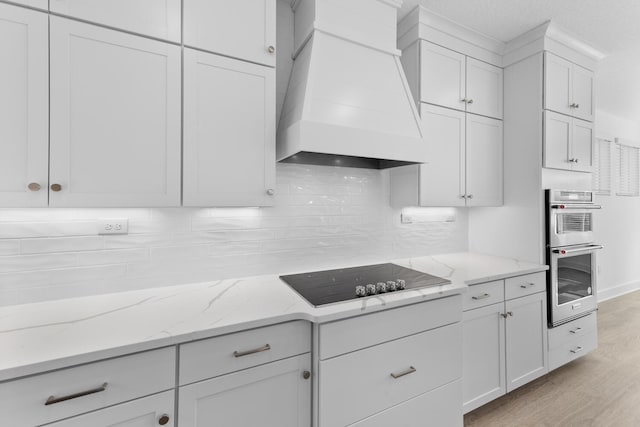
[[348, 102]]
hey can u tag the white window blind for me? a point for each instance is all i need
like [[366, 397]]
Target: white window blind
[[628, 161], [602, 167]]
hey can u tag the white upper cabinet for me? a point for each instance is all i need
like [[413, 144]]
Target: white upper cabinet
[[39, 4], [582, 84], [241, 29], [484, 88], [465, 162], [229, 132], [453, 80], [484, 161], [159, 19], [115, 118], [442, 76], [568, 143], [442, 180], [568, 87], [24, 107]]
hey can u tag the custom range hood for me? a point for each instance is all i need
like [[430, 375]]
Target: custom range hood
[[348, 102]]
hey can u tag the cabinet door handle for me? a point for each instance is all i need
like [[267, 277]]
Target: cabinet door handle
[[470, 101], [527, 285], [271, 49], [469, 196], [56, 187], [163, 420], [577, 350], [248, 352], [576, 330], [510, 313], [479, 297], [464, 100], [52, 399], [503, 315], [411, 370], [34, 186]]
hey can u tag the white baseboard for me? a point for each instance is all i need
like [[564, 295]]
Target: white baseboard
[[618, 290]]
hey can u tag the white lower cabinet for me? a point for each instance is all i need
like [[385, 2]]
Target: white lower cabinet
[[572, 340], [394, 380], [504, 343], [273, 394], [437, 408], [526, 342], [149, 411], [484, 366]]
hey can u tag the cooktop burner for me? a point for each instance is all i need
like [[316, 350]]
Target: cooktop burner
[[329, 286]]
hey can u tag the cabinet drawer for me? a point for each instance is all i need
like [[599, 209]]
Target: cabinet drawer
[[160, 19], [440, 406], [220, 355], [563, 334], [144, 412], [359, 332], [573, 349], [365, 378], [483, 294], [515, 287], [23, 402]]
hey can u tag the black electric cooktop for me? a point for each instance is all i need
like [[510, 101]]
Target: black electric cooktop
[[329, 286]]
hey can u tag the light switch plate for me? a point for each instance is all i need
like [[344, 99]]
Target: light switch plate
[[113, 226]]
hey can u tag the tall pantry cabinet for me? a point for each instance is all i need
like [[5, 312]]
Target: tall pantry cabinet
[[94, 112], [458, 88]]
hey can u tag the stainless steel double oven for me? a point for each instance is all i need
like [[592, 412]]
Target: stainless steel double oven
[[571, 255]]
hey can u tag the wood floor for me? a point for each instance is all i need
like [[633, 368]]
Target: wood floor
[[600, 389]]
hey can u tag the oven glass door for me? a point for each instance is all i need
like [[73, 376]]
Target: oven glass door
[[573, 282]]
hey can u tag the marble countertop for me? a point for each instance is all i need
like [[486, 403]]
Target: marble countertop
[[51, 335]]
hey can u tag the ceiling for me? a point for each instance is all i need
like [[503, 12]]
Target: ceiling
[[609, 26]]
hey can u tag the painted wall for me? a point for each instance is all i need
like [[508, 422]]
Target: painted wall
[[324, 217], [618, 224]]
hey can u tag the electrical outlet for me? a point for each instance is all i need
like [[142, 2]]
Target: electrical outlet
[[113, 226]]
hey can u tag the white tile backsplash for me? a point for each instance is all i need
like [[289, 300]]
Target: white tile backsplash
[[324, 217]]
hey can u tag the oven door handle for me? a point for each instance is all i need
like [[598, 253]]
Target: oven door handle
[[568, 207], [576, 250]]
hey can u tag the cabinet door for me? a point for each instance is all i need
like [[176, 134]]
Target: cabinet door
[[229, 132], [582, 145], [160, 19], [443, 76], [442, 179], [557, 140], [240, 29], [557, 84], [145, 412], [582, 80], [526, 339], [483, 356], [484, 89], [484, 161], [24, 107], [274, 394], [115, 118]]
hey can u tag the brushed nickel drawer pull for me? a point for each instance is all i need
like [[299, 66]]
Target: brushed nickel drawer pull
[[576, 330], [479, 297], [577, 350], [248, 352], [411, 370], [52, 399], [527, 285]]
